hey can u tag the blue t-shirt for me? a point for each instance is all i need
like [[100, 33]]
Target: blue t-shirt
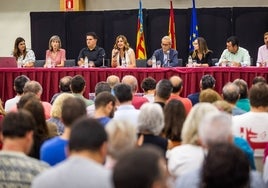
[[53, 150]]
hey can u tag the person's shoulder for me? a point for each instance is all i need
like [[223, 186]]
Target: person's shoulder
[[62, 50], [29, 51], [243, 49]]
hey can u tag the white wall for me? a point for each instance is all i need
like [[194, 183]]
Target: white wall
[[15, 14]]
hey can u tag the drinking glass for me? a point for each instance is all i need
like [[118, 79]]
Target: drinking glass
[[91, 64]]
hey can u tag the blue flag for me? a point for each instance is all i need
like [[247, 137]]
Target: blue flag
[[194, 27]]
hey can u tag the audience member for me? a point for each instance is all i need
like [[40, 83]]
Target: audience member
[[137, 101], [142, 167], [36, 88], [83, 168], [234, 55], [201, 54], [125, 111], [150, 125], [104, 107], [17, 169], [189, 155], [224, 166], [25, 57], [207, 81], [78, 86], [175, 115], [64, 86], [53, 151], [55, 55], [243, 101], [112, 80], [148, 86], [56, 112], [121, 138], [94, 53], [262, 58], [223, 106], [177, 87], [230, 93], [163, 91], [216, 136], [18, 86], [209, 95], [122, 54], [252, 125], [166, 55], [258, 79]]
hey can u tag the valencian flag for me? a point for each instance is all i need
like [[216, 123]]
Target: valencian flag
[[194, 27], [140, 45], [171, 29]]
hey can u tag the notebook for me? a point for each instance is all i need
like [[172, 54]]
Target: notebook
[[8, 62]]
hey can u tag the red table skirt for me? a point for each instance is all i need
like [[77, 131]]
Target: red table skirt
[[49, 77]]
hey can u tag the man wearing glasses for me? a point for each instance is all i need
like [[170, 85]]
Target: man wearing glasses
[[167, 56]]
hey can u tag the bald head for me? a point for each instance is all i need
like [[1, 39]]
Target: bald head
[[176, 82], [230, 93], [112, 80], [131, 81]]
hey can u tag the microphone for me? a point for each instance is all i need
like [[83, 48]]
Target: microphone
[[168, 60], [103, 60]]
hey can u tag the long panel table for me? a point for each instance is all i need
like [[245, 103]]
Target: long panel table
[[49, 77]]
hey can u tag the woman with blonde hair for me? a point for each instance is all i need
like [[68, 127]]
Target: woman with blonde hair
[[55, 55], [122, 54]]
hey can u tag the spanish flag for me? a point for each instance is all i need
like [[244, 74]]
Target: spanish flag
[[140, 44], [171, 29]]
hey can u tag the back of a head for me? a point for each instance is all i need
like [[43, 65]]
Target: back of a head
[[207, 81], [103, 99], [72, 109], [163, 89], [32, 86], [77, 84], [20, 82], [131, 81], [258, 95], [151, 119], [29, 96], [243, 88], [176, 82], [87, 135], [214, 128], [189, 133], [225, 166], [121, 137], [112, 80], [123, 92], [258, 79], [209, 95], [148, 83], [139, 168], [230, 92], [17, 124], [57, 104], [65, 83], [101, 87]]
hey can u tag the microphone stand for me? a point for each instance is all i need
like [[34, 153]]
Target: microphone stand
[[168, 59], [103, 61]]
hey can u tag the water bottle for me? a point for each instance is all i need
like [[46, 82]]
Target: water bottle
[[153, 62], [48, 63], [190, 61], [124, 64], [86, 62]]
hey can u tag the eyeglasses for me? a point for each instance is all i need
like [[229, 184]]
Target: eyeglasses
[[163, 44]]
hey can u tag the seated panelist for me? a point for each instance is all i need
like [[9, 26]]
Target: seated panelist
[[165, 55], [122, 54], [55, 55], [25, 57]]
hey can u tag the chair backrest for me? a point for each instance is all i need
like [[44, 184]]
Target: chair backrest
[[214, 61], [69, 63], [141, 63], [180, 62], [39, 63]]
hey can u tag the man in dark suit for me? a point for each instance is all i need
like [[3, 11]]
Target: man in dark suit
[[166, 55]]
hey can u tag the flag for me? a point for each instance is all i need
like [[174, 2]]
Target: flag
[[171, 28], [140, 44], [194, 27]]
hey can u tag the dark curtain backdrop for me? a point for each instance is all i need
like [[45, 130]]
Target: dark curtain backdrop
[[215, 25]]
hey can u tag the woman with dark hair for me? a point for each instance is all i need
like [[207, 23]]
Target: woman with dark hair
[[122, 54], [25, 57], [201, 53], [175, 115]]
